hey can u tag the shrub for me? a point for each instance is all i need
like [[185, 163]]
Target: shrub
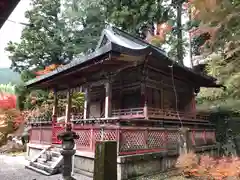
[[207, 167]]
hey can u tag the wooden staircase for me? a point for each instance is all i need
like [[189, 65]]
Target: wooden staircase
[[48, 162]]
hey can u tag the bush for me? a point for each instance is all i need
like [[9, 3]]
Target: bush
[[206, 167]]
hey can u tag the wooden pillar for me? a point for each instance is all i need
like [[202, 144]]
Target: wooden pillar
[[108, 99], [55, 106], [105, 163], [68, 106], [86, 103]]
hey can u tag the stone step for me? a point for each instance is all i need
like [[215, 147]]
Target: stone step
[[44, 160], [41, 160], [50, 163], [47, 167], [37, 170], [55, 154], [43, 167], [54, 159]]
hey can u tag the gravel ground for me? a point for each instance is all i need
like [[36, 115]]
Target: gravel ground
[[13, 168]]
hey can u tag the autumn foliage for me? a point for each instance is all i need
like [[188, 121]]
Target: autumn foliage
[[7, 101], [206, 167], [8, 111], [47, 70]]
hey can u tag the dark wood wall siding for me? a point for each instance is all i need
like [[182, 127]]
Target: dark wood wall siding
[[160, 92]]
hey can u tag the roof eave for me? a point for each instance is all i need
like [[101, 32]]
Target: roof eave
[[103, 50]]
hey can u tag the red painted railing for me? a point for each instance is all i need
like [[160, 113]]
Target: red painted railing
[[57, 127], [157, 113], [202, 137], [131, 140], [131, 113], [171, 114]]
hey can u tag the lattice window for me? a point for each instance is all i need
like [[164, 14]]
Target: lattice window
[[156, 139], [132, 140]]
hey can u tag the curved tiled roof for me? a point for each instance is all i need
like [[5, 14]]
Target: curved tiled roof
[[114, 39]]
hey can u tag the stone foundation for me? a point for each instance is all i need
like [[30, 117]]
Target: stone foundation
[[131, 166], [128, 166], [34, 149]]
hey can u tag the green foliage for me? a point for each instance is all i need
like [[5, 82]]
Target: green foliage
[[131, 15], [85, 21], [7, 88], [227, 72], [224, 64], [137, 15], [27, 75], [78, 101], [42, 43]]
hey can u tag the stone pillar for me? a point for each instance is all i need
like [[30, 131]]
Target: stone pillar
[[108, 99], [86, 103], [105, 164], [67, 151], [68, 106]]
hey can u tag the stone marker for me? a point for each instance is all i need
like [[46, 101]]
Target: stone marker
[[105, 164]]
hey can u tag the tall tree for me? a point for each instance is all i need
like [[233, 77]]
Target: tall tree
[[219, 21], [85, 21], [42, 42], [136, 15]]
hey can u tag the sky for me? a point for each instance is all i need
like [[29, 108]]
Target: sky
[[12, 32]]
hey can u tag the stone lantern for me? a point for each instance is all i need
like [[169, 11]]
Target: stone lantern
[[67, 151]]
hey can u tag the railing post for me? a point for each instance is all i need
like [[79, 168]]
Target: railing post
[[91, 139], [145, 110], [118, 139], [102, 133]]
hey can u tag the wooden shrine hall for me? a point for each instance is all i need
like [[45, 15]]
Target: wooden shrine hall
[[132, 89]]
